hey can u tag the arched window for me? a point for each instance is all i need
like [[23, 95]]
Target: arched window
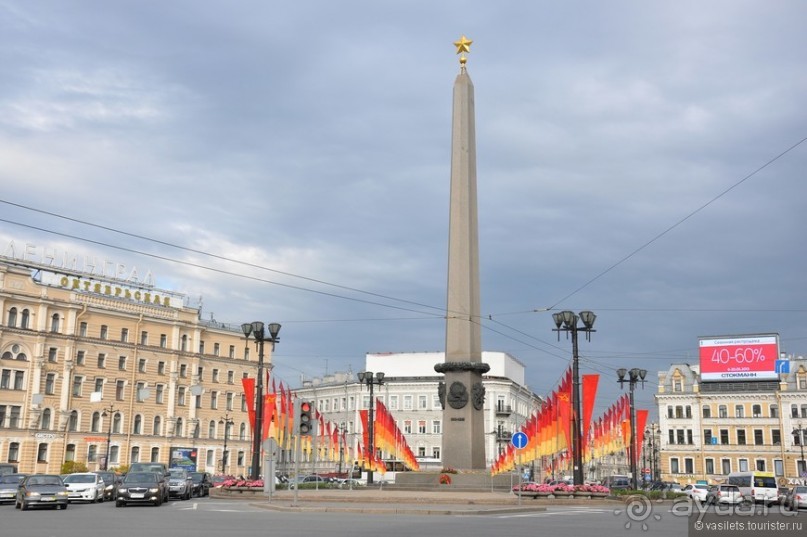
[[155, 429], [95, 422], [45, 419], [70, 452], [211, 429], [116, 422], [72, 423], [242, 432], [42, 452], [54, 323], [25, 319], [155, 454], [135, 455], [138, 424], [178, 427], [12, 317]]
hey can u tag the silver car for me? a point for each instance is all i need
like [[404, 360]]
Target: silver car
[[180, 484]]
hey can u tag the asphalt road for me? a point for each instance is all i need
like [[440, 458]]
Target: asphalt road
[[210, 517]]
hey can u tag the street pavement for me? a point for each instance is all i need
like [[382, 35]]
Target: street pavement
[[417, 502]]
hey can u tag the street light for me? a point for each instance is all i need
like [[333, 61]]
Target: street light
[[255, 329], [650, 435], [108, 412], [227, 421], [566, 321], [635, 375], [342, 431], [366, 377], [799, 435]]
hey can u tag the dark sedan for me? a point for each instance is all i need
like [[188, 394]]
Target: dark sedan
[[111, 480], [41, 490], [202, 482], [139, 487]]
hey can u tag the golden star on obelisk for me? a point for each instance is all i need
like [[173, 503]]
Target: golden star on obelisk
[[463, 45]]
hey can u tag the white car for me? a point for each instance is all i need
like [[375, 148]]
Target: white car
[[86, 487], [697, 492]]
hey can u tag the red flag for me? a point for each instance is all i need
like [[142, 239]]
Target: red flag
[[249, 393], [589, 396]]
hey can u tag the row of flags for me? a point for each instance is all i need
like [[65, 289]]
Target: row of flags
[[549, 431], [330, 442]]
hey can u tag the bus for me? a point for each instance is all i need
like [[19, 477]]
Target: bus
[[757, 487]]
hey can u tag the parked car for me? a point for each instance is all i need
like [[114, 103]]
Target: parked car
[[697, 492], [41, 490], [111, 480], [724, 494], [783, 492], [8, 468], [139, 487], [309, 480], [158, 468], [797, 499], [87, 487], [180, 484], [616, 482], [350, 483], [9, 483], [202, 483]]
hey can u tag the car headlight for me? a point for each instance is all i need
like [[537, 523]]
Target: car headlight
[[32, 494], [62, 493], [154, 490], [123, 490]]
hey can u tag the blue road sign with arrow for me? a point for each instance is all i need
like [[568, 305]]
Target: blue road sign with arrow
[[519, 440]]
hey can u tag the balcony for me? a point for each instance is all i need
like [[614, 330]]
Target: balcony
[[503, 410]]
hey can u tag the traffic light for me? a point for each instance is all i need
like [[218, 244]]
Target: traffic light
[[306, 418]]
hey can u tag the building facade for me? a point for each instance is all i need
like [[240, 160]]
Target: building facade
[[410, 393], [106, 370], [710, 429]]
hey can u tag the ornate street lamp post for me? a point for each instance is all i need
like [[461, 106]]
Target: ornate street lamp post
[[227, 421], [566, 321], [256, 330], [366, 377], [635, 375], [799, 435], [111, 411]]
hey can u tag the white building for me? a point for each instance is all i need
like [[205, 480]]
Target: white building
[[409, 391]]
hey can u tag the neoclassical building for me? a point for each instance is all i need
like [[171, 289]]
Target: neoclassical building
[[410, 393], [709, 429], [95, 361]]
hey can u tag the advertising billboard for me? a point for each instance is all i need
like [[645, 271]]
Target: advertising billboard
[[739, 357], [183, 457]]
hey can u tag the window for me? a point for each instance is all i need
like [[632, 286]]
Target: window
[[135, 455], [5, 379], [117, 419], [183, 343], [99, 385], [230, 396], [45, 421], [137, 424], [422, 427], [707, 436], [54, 323], [756, 411], [14, 452], [101, 361], [159, 393], [141, 365], [144, 338], [215, 375], [679, 436], [776, 437], [725, 465], [710, 466], [743, 465], [200, 371], [407, 402], [19, 380], [155, 454], [774, 410], [42, 453], [739, 412], [216, 349], [92, 453], [724, 436], [77, 381], [80, 358], [778, 467], [758, 437], [181, 396], [741, 439], [95, 422], [25, 318], [689, 465], [178, 427], [201, 347], [423, 402], [421, 451], [124, 335], [722, 412], [407, 426], [393, 402], [803, 411], [679, 412], [122, 363], [104, 331], [50, 382], [82, 329], [12, 317], [760, 465], [214, 400], [119, 389], [674, 469], [794, 411], [231, 352], [183, 370], [161, 368], [230, 377], [156, 425], [163, 341], [436, 429], [72, 421], [52, 354], [140, 393], [690, 441], [114, 452], [678, 385]]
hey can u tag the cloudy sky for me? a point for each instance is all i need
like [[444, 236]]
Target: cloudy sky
[[289, 162]]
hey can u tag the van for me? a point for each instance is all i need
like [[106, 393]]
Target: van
[[617, 482], [757, 487], [8, 469]]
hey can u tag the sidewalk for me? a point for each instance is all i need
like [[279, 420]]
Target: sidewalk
[[420, 502]]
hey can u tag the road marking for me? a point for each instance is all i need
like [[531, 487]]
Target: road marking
[[542, 514]]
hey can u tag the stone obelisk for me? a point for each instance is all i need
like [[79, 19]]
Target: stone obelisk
[[462, 394]]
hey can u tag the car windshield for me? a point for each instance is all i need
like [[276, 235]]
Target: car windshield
[[45, 480], [11, 478], [197, 477], [178, 474], [799, 490], [141, 478], [79, 479]]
